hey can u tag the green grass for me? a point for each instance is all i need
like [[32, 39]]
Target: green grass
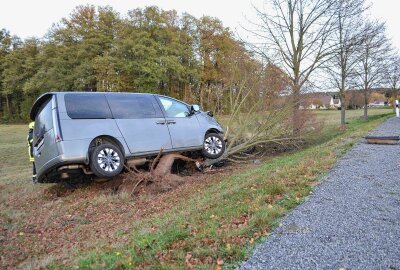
[[15, 162], [15, 168], [220, 219], [224, 220]]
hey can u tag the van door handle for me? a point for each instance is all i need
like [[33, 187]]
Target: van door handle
[[171, 122], [160, 122]]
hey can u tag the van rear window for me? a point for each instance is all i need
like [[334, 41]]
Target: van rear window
[[44, 119], [87, 106]]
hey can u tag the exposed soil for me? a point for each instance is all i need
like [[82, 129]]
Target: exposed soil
[[161, 175], [59, 223]]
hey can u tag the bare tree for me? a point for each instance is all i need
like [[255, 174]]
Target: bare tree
[[341, 67], [260, 116], [373, 58], [393, 76], [295, 35], [249, 127]]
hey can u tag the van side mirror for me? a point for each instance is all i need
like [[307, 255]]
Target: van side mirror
[[194, 109], [210, 113]]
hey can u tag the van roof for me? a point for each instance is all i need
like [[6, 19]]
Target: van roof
[[44, 97]]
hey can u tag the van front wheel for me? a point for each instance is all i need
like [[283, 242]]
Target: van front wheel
[[106, 160], [213, 146]]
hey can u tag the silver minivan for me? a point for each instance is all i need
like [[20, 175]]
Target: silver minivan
[[97, 132]]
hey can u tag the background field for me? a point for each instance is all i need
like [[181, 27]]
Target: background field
[[332, 118], [220, 216]]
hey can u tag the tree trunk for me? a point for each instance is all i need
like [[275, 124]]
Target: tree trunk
[[186, 93], [8, 105], [201, 96], [342, 116], [209, 93], [342, 97], [160, 174], [296, 118], [365, 104], [171, 89], [394, 96]]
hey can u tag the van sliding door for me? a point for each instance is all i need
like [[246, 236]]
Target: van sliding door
[[140, 121]]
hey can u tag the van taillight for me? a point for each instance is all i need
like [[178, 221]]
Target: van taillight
[[58, 138]]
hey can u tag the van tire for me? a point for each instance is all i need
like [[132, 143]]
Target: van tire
[[106, 160], [213, 146]]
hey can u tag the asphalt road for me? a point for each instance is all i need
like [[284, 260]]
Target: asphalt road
[[351, 220]]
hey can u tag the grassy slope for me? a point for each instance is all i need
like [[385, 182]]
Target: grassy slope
[[224, 220], [221, 218], [15, 168], [15, 162]]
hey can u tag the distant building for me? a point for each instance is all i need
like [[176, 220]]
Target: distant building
[[354, 100], [321, 101], [378, 103]]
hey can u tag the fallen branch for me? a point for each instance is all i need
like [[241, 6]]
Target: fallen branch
[[134, 188]]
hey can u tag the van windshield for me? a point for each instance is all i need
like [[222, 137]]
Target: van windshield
[[44, 119]]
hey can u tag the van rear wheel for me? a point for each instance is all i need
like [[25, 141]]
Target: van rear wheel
[[106, 160]]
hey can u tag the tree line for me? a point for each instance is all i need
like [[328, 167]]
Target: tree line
[[148, 50], [299, 46]]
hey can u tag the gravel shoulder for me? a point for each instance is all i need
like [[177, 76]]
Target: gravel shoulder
[[351, 220]]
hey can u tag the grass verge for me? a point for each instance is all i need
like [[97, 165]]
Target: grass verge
[[222, 222]]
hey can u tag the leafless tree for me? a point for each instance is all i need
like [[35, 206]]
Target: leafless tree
[[341, 67], [295, 36], [260, 117], [373, 58], [393, 76]]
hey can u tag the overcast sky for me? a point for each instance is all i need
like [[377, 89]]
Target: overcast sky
[[34, 17]]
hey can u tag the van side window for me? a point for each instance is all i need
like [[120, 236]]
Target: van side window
[[44, 119], [133, 106], [87, 106], [174, 108]]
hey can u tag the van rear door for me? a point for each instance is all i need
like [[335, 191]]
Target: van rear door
[[45, 148], [140, 121]]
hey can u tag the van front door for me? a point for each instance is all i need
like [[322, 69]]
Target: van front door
[[141, 122], [184, 127]]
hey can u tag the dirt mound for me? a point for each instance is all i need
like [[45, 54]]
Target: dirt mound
[[164, 173]]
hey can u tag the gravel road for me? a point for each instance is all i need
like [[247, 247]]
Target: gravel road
[[351, 220]]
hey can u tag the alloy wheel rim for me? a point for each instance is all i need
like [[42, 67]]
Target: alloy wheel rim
[[108, 160], [213, 145]]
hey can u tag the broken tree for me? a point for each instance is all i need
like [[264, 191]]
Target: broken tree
[[159, 174]]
